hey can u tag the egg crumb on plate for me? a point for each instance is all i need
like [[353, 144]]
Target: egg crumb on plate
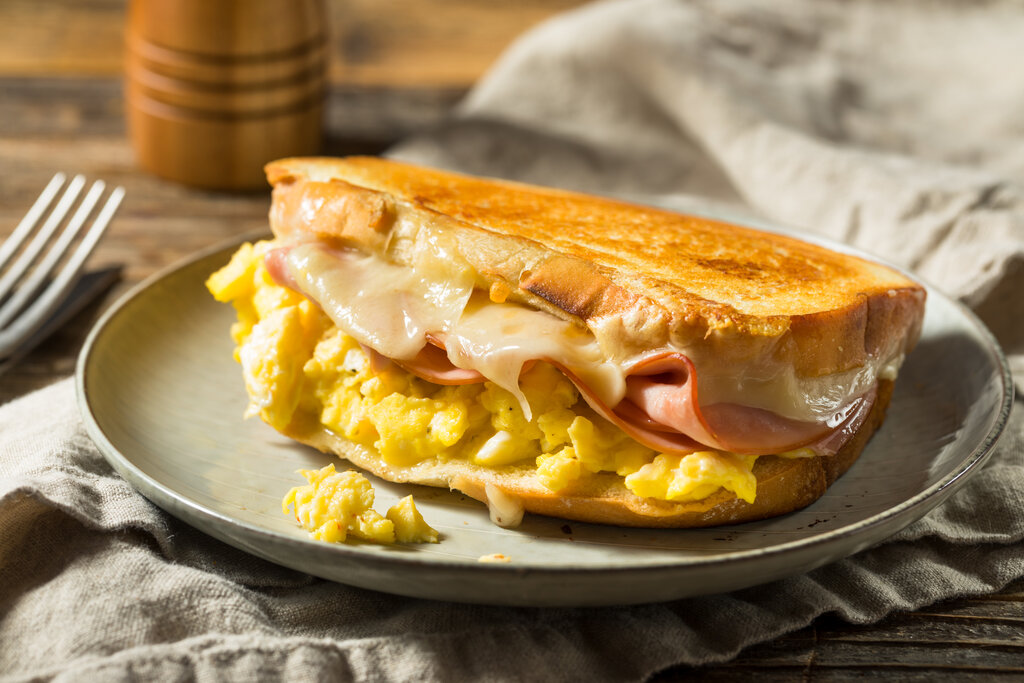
[[335, 505], [409, 524], [494, 557], [299, 366]]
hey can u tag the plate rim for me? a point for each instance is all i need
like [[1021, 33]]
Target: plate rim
[[930, 496]]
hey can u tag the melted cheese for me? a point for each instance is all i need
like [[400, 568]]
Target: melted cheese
[[392, 308], [825, 398], [505, 509], [387, 307], [497, 340]]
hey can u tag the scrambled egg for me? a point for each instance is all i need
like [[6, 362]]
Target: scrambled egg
[[335, 505], [297, 363], [410, 526]]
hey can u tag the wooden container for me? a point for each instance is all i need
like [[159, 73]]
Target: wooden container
[[217, 88]]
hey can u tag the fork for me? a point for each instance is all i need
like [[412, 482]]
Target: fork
[[28, 302]]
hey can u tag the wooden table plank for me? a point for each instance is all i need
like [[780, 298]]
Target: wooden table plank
[[65, 37], [970, 639], [407, 43]]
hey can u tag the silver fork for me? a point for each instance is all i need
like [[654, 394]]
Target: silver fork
[[27, 301]]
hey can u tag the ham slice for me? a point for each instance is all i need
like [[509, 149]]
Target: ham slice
[[277, 267], [661, 410], [431, 364], [664, 388], [634, 422]]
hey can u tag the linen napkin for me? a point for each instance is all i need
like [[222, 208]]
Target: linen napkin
[[888, 125]]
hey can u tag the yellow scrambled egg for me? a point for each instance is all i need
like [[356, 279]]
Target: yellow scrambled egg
[[335, 505], [297, 365]]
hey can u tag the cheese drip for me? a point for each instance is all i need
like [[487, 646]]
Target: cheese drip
[[387, 307], [497, 340], [786, 394], [391, 309]]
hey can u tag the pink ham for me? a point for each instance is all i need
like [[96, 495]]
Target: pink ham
[[664, 388], [274, 261], [661, 410], [431, 364], [630, 419]]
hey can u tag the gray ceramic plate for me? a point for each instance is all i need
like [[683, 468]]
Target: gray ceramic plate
[[163, 400]]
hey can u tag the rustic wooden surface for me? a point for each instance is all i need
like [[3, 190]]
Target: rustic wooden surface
[[418, 43], [399, 65]]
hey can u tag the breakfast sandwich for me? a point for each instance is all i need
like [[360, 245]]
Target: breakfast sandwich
[[546, 351]]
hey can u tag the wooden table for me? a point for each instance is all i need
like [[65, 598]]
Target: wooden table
[[397, 67]]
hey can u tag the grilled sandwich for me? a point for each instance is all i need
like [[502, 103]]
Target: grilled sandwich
[[557, 353]]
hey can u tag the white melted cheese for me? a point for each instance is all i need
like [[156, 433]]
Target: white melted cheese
[[505, 510], [784, 393], [497, 340], [392, 308], [388, 307]]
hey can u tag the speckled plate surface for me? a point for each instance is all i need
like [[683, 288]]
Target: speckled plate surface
[[163, 400]]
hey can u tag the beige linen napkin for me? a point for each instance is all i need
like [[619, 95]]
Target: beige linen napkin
[[890, 125]]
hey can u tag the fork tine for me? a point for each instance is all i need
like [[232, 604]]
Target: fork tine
[[86, 289], [42, 237], [16, 238], [35, 316], [32, 284]]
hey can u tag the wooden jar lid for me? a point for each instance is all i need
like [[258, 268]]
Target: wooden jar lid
[[217, 88]]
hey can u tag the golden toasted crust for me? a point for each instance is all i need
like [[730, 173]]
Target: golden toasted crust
[[783, 484], [638, 277]]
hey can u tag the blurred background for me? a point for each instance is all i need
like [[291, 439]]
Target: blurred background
[[393, 65], [430, 43]]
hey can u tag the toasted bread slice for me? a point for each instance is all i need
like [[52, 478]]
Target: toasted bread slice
[[638, 277]]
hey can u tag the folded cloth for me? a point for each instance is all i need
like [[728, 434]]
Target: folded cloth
[[840, 118]]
